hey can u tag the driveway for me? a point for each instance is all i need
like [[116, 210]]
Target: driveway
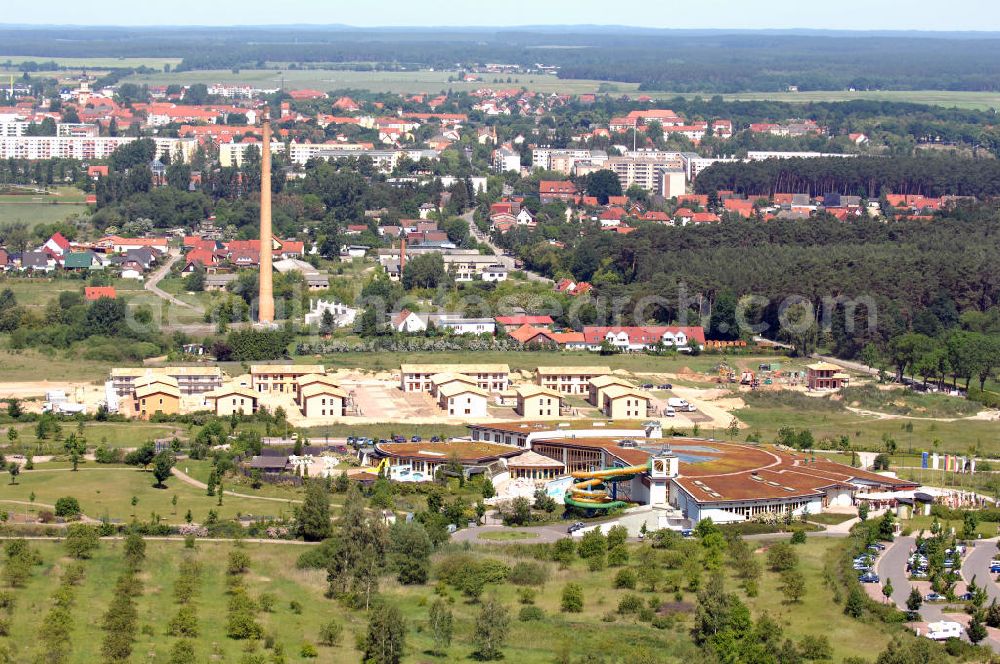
[[977, 565], [152, 284]]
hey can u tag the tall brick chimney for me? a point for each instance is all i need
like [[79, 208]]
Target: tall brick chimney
[[265, 299]]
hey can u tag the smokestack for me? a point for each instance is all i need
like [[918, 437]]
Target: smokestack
[[402, 253], [265, 299]]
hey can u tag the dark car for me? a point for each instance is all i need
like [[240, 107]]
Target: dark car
[[869, 577], [415, 439], [648, 386], [666, 386], [575, 527], [435, 439]]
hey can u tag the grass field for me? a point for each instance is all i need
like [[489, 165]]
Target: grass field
[[36, 211], [33, 365], [866, 432], [531, 360], [112, 434], [105, 492]]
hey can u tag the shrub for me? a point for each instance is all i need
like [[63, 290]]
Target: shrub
[[331, 633], [618, 555], [528, 574], [815, 647], [308, 651], [239, 562], [81, 541], [799, 537], [184, 623], [68, 507], [572, 598], [266, 602], [626, 578], [531, 613], [526, 595], [630, 604]]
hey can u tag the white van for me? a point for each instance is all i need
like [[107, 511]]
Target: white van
[[944, 630], [668, 411], [680, 405]]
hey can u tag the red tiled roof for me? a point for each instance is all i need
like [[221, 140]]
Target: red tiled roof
[[524, 319]]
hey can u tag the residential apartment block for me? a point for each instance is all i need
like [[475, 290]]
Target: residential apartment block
[[569, 380]]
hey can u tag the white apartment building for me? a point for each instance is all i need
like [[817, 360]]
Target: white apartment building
[[231, 91], [231, 154], [86, 147], [505, 159], [384, 160], [648, 172], [564, 160]]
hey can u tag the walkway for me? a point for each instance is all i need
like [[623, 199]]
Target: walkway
[[158, 276], [484, 238], [187, 479]]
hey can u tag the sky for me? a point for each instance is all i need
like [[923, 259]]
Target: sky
[[728, 14]]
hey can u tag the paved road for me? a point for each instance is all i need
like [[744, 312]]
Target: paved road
[[891, 565], [157, 277], [977, 564], [485, 239]]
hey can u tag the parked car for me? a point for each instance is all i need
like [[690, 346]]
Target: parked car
[[877, 546], [575, 527], [994, 569], [918, 574], [965, 597], [934, 597], [351, 440], [647, 386], [435, 439], [668, 411], [666, 386], [415, 439], [687, 532], [869, 577]]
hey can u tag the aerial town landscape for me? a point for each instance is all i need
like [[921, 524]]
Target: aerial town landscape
[[545, 344]]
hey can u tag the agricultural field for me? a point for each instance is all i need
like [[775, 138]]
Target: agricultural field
[[436, 81], [91, 63], [379, 81]]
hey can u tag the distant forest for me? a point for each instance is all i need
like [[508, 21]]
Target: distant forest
[[678, 61], [869, 177]]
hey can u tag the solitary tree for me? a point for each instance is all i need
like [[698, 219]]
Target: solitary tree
[[793, 585], [492, 629], [442, 626], [314, 515], [163, 463], [386, 635], [887, 589], [914, 601], [14, 470]]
